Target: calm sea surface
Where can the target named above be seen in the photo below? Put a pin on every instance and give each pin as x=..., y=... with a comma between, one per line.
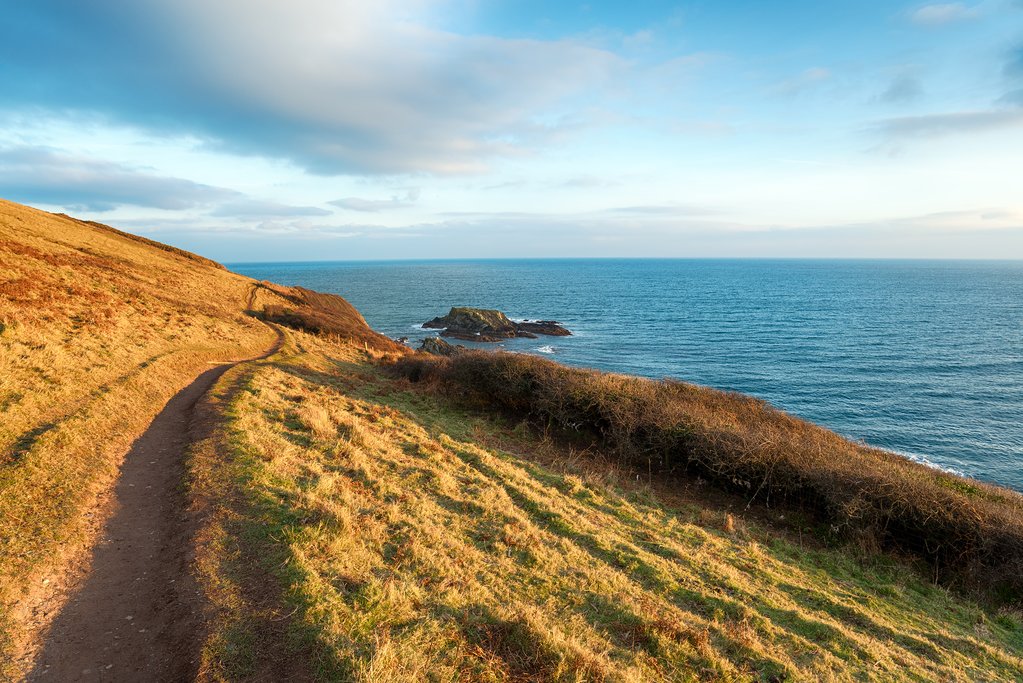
x=920, y=357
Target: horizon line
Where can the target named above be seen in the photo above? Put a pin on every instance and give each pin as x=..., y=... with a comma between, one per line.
x=919, y=259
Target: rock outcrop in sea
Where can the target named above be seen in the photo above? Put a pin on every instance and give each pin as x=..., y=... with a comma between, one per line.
x=487, y=325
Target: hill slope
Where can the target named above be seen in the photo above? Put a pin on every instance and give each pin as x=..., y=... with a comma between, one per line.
x=354, y=525
x=363, y=529
x=98, y=329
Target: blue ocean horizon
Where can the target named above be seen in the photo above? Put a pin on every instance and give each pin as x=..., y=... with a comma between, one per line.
x=921, y=357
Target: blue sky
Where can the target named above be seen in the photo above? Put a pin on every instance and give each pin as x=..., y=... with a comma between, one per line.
x=335, y=129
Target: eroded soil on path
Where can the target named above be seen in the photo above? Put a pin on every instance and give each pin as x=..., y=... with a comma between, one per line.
x=136, y=616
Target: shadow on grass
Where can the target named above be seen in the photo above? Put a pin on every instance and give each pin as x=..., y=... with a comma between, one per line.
x=27, y=440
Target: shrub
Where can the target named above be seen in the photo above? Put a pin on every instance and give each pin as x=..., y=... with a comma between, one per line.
x=971, y=533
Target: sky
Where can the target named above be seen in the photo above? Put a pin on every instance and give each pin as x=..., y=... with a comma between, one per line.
x=259, y=130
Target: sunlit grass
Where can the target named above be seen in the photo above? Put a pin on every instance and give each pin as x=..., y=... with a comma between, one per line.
x=97, y=332
x=400, y=538
x=969, y=532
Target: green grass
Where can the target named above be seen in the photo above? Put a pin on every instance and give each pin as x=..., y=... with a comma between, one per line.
x=375, y=533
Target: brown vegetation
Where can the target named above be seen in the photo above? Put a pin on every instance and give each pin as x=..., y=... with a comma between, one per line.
x=971, y=533
x=323, y=314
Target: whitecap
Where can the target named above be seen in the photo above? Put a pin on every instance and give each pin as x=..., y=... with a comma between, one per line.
x=923, y=460
x=546, y=349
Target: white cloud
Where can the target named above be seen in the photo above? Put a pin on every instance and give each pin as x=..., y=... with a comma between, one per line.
x=249, y=208
x=337, y=86
x=902, y=89
x=374, y=205
x=953, y=123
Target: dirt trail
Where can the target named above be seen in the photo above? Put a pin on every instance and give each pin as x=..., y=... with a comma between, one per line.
x=137, y=614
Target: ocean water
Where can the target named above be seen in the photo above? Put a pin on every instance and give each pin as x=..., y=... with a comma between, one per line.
x=920, y=357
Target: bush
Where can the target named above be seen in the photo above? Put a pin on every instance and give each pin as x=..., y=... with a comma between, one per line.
x=971, y=533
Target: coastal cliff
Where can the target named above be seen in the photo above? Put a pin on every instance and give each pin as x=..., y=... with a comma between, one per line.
x=361, y=512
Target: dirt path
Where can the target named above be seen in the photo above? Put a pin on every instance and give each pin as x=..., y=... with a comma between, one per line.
x=136, y=615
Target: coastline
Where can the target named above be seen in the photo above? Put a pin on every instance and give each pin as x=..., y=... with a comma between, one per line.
x=612, y=525
x=843, y=344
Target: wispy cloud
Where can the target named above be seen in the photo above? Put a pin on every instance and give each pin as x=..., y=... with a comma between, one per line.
x=954, y=123
x=902, y=89
x=308, y=230
x=584, y=182
x=653, y=213
x=405, y=201
x=253, y=208
x=662, y=210
x=939, y=14
x=46, y=176
x=507, y=185
x=1014, y=74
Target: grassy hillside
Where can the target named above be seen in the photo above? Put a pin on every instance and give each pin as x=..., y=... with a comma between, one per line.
x=365, y=530
x=358, y=525
x=98, y=329
x=970, y=533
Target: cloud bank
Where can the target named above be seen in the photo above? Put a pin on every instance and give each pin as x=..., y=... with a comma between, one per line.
x=374, y=205
x=45, y=176
x=253, y=208
x=335, y=86
x=953, y=123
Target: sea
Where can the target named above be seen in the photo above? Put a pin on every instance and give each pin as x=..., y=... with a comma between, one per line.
x=924, y=358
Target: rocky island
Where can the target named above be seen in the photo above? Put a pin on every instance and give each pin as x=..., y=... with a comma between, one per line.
x=487, y=325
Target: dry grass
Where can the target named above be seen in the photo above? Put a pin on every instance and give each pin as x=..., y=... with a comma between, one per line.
x=358, y=528
x=370, y=532
x=98, y=329
x=970, y=533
